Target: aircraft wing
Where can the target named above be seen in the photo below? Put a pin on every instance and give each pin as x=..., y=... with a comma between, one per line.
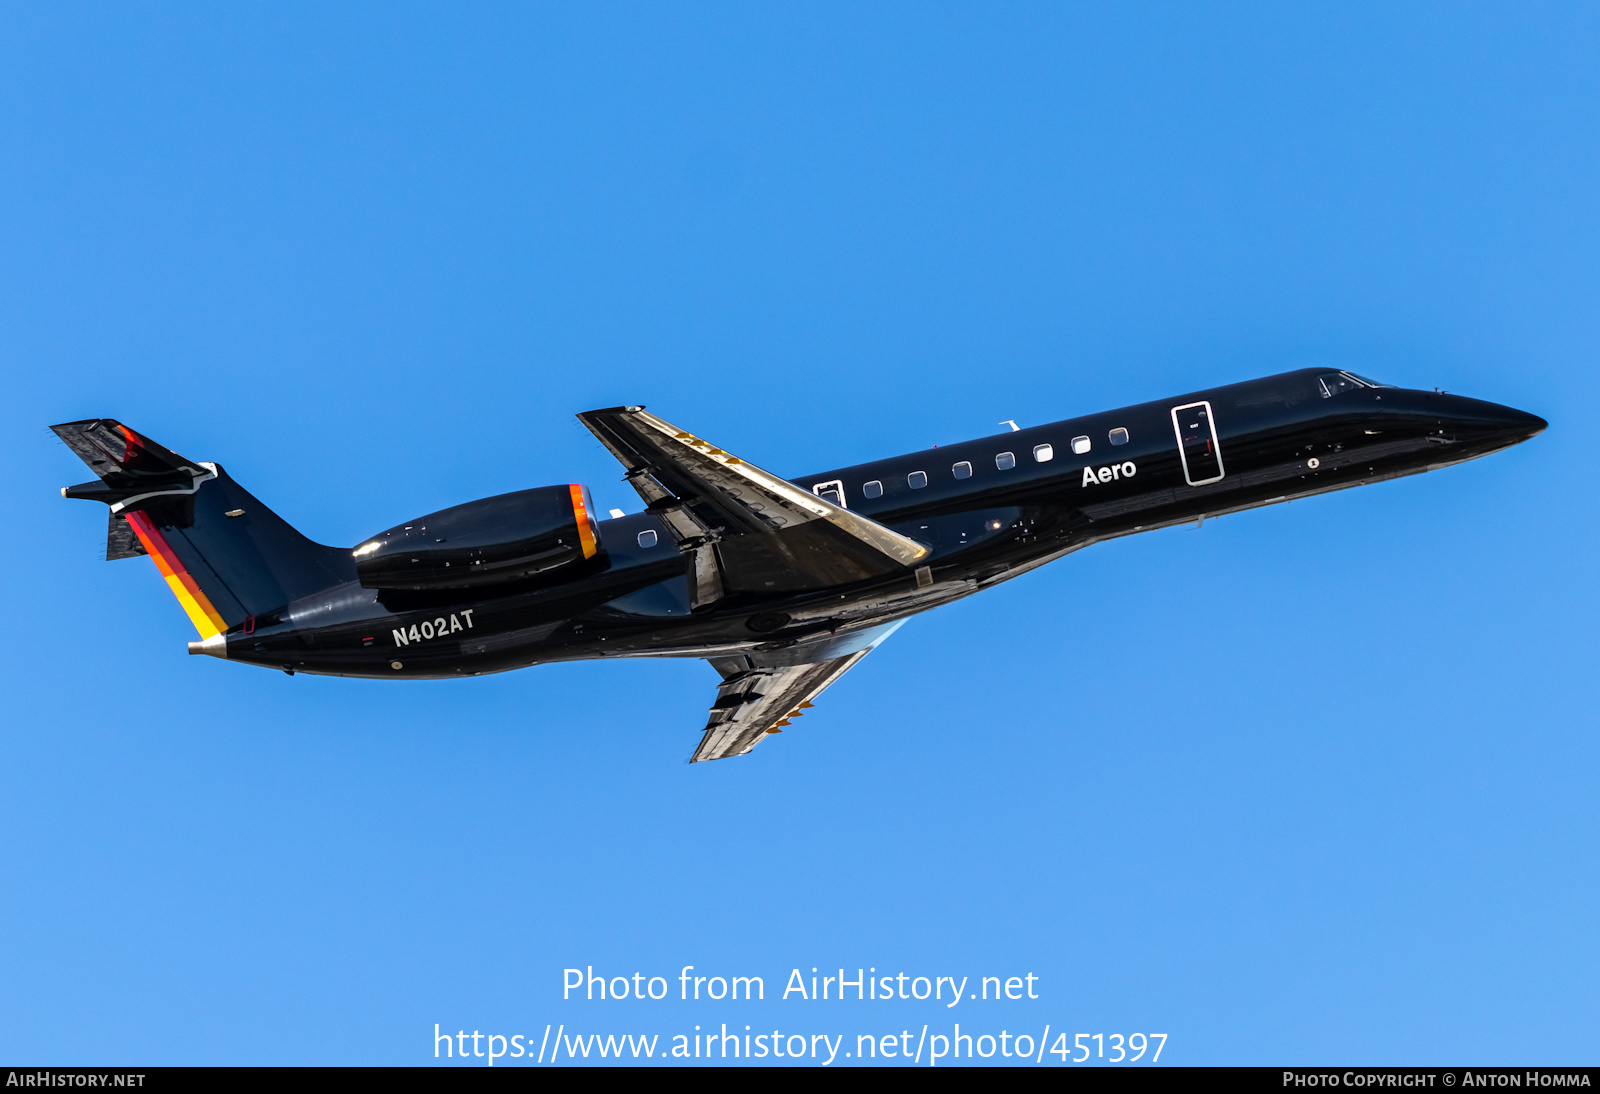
x=753, y=702
x=762, y=691
x=747, y=529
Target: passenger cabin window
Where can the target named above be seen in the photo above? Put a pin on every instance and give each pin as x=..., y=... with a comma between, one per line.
x=1080, y=445
x=1043, y=453
x=917, y=480
x=873, y=489
x=962, y=470
x=647, y=538
x=1336, y=383
x=1005, y=461
x=1118, y=436
x=831, y=491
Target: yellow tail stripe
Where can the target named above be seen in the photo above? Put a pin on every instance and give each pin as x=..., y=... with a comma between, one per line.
x=197, y=607
x=205, y=617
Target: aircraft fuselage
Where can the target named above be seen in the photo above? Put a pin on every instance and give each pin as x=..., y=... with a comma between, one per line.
x=989, y=509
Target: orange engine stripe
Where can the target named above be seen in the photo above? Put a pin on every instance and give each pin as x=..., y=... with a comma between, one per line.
x=196, y=605
x=586, y=536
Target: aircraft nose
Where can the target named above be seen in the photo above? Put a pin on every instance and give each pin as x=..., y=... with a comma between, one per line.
x=1519, y=425
x=1502, y=425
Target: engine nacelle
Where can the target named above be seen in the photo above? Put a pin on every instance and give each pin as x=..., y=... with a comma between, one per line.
x=486, y=542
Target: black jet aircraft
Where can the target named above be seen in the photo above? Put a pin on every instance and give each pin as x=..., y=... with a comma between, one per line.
x=781, y=584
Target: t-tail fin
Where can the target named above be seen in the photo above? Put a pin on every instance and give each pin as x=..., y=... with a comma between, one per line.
x=229, y=559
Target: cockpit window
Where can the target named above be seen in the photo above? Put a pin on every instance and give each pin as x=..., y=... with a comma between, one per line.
x=1330, y=384
x=1364, y=380
x=1336, y=383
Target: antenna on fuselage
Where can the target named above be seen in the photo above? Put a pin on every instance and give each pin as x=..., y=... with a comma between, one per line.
x=1014, y=427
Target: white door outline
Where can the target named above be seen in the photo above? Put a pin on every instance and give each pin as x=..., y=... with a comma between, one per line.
x=1216, y=446
x=836, y=486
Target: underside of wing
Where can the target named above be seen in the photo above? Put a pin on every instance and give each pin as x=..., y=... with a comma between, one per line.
x=753, y=702
x=747, y=529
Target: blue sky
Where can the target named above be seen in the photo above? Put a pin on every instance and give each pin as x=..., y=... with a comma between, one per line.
x=372, y=258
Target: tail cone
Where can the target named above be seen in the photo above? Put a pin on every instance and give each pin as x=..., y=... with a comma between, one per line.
x=215, y=646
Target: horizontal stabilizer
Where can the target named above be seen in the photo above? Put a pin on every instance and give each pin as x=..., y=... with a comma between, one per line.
x=121, y=540
x=113, y=451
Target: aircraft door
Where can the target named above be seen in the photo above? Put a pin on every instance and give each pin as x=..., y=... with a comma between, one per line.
x=1197, y=443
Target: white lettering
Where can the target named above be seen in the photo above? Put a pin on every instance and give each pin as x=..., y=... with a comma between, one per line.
x=436, y=629
x=1094, y=476
x=958, y=991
